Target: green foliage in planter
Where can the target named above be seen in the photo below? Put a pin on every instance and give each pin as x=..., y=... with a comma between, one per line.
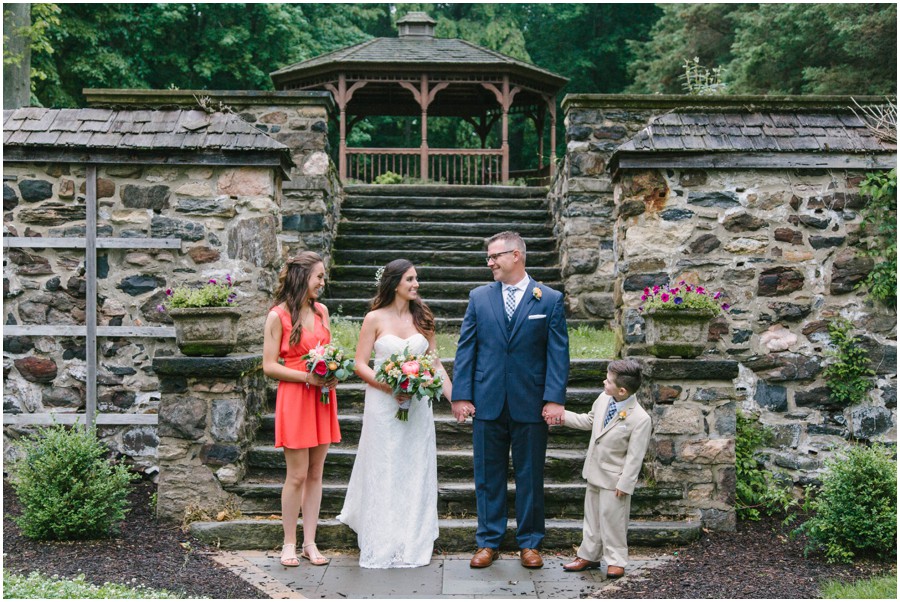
x=757, y=490
x=389, y=177
x=856, y=508
x=211, y=294
x=67, y=487
x=848, y=376
x=880, y=215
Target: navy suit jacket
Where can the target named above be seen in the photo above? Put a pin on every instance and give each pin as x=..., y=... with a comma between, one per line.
x=524, y=365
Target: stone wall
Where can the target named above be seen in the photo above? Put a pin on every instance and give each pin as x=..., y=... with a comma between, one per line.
x=228, y=220
x=312, y=196
x=208, y=416
x=782, y=244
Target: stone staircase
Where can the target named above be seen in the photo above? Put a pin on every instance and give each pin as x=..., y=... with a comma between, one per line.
x=260, y=490
x=442, y=230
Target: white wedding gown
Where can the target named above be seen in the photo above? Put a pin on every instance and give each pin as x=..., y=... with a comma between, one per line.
x=391, y=499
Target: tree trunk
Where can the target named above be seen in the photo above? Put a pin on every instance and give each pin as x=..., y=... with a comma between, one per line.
x=17, y=75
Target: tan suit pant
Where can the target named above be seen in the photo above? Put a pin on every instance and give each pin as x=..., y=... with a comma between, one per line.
x=605, y=527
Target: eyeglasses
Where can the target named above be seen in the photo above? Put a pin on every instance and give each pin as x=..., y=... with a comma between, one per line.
x=494, y=257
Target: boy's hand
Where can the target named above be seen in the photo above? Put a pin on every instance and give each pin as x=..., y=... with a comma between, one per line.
x=554, y=414
x=620, y=493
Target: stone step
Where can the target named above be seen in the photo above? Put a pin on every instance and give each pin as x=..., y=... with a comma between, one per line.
x=452, y=325
x=479, y=274
x=483, y=231
x=450, y=434
x=433, y=257
x=398, y=240
x=445, y=216
x=446, y=190
x=433, y=289
x=401, y=203
x=446, y=308
x=455, y=534
x=455, y=498
x=267, y=463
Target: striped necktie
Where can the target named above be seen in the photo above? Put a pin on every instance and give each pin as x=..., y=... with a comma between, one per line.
x=510, y=302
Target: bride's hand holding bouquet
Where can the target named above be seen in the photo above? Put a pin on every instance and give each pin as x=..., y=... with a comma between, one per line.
x=410, y=377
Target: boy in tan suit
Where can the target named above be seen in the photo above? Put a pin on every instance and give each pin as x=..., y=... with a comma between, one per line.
x=620, y=434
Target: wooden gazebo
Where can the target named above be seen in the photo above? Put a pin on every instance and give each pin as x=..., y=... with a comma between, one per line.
x=418, y=74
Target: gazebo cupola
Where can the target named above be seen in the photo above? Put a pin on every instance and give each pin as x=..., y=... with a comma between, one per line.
x=417, y=74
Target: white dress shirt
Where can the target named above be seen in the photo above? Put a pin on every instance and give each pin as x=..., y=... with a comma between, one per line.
x=520, y=288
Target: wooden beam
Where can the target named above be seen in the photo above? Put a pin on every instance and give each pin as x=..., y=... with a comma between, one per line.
x=764, y=160
x=75, y=330
x=90, y=278
x=30, y=242
x=68, y=419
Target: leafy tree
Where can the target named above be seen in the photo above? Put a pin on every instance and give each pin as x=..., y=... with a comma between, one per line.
x=774, y=48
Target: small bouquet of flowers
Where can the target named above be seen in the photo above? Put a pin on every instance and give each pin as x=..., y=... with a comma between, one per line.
x=327, y=361
x=413, y=375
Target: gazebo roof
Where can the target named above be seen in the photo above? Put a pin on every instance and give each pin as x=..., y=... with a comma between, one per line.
x=383, y=61
x=421, y=53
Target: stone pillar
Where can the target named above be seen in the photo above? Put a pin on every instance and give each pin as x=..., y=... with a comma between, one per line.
x=693, y=407
x=208, y=415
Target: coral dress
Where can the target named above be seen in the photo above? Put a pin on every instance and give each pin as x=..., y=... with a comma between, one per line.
x=301, y=419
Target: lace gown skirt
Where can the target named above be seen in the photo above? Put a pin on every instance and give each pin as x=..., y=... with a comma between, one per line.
x=391, y=499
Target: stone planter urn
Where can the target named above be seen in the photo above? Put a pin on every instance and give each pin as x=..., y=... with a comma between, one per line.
x=210, y=331
x=677, y=332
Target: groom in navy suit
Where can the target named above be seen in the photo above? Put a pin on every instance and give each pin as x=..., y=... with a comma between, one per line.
x=510, y=374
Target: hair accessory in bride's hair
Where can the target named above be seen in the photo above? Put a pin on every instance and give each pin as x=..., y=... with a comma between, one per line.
x=378, y=274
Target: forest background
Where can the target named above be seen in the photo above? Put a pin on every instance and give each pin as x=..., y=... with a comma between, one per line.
x=600, y=48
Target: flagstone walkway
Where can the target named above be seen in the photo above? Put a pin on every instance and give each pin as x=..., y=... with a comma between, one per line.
x=448, y=576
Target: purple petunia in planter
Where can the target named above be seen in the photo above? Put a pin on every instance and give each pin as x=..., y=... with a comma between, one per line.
x=677, y=318
x=205, y=318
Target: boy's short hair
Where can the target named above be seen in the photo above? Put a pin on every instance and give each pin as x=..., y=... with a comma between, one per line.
x=626, y=374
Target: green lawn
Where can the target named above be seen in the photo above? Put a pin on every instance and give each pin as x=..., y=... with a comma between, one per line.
x=877, y=588
x=36, y=585
x=584, y=342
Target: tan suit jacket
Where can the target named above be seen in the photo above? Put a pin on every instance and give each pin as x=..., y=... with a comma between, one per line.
x=615, y=454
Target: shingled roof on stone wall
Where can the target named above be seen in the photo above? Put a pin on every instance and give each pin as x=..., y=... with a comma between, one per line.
x=94, y=129
x=756, y=132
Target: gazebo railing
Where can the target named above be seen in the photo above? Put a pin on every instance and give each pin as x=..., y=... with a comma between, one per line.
x=474, y=167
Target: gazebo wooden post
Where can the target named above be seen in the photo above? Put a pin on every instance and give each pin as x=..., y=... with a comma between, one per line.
x=423, y=149
x=504, y=146
x=342, y=96
x=551, y=106
x=539, y=120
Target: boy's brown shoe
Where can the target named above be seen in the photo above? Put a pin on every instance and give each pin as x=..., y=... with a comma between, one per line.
x=484, y=558
x=580, y=564
x=614, y=572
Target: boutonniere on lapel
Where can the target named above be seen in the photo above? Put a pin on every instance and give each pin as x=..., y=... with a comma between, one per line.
x=536, y=293
x=622, y=415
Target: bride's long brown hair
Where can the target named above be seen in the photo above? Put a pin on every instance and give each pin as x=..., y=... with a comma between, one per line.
x=393, y=272
x=293, y=289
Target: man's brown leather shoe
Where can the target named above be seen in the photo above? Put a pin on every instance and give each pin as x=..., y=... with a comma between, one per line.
x=484, y=558
x=614, y=572
x=580, y=564
x=531, y=558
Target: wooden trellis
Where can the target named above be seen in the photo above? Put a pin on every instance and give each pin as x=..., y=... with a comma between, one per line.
x=91, y=331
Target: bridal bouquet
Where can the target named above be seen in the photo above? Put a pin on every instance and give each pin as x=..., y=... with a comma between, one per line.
x=328, y=361
x=413, y=375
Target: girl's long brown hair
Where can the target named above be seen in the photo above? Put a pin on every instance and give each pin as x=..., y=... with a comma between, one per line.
x=387, y=291
x=293, y=289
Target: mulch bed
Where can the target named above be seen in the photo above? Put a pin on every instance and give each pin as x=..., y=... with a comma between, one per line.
x=760, y=560
x=150, y=553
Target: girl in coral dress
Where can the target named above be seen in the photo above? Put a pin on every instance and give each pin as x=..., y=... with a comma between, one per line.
x=304, y=426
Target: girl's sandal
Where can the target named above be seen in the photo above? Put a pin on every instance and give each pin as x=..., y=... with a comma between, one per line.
x=289, y=555
x=314, y=557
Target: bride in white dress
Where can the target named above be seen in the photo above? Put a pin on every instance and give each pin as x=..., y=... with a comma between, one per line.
x=391, y=499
